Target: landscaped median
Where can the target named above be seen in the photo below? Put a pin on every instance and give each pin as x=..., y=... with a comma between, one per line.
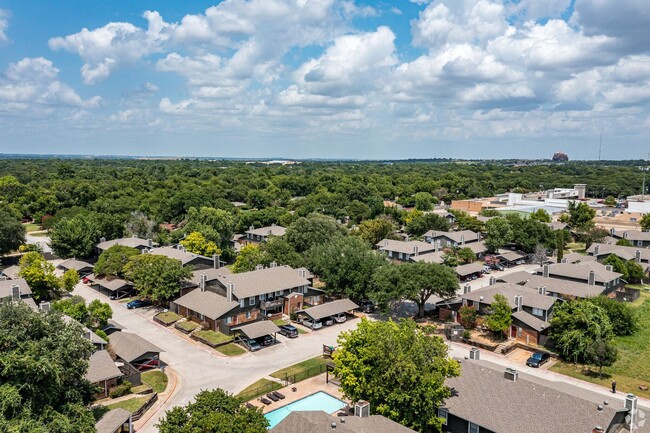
x=186, y=327
x=167, y=318
x=261, y=387
x=219, y=342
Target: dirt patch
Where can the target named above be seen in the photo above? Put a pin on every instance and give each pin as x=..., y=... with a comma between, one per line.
x=519, y=355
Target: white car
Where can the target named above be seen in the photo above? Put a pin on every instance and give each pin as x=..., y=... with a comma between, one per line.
x=340, y=318
x=313, y=324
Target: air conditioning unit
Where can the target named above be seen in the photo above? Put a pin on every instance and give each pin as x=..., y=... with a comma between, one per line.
x=474, y=353
x=362, y=409
x=511, y=374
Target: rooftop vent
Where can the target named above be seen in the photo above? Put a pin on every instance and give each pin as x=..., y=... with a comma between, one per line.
x=511, y=374
x=598, y=429
x=333, y=425
x=15, y=292
x=600, y=408
x=362, y=409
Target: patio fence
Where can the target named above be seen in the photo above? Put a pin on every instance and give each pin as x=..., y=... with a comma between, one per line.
x=306, y=374
x=259, y=390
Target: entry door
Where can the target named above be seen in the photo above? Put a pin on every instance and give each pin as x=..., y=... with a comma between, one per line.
x=513, y=331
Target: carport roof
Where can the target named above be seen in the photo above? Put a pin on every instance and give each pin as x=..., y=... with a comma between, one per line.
x=130, y=347
x=330, y=309
x=468, y=269
x=112, y=420
x=101, y=367
x=258, y=329
x=77, y=265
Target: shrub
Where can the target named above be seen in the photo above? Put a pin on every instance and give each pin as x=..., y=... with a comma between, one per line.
x=429, y=329
x=123, y=388
x=467, y=317
x=467, y=334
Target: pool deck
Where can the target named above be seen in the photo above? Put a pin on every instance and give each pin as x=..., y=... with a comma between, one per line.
x=303, y=389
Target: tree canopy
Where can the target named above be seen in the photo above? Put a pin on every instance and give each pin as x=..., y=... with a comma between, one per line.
x=39, y=275
x=581, y=216
x=196, y=243
x=156, y=277
x=398, y=369
x=312, y=230
x=113, y=260
x=500, y=317
x=12, y=232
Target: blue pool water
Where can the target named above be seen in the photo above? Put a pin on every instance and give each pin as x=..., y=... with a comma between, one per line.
x=319, y=401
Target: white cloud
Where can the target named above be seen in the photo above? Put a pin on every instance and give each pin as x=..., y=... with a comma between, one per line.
x=535, y=9
x=4, y=25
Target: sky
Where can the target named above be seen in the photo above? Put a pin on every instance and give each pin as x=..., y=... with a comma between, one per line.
x=363, y=79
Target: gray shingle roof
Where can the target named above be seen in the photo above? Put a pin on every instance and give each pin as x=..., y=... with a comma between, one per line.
x=112, y=420
x=264, y=281
x=174, y=253
x=511, y=256
x=467, y=235
x=321, y=422
x=11, y=271
x=111, y=284
x=5, y=287
x=268, y=231
x=435, y=257
x=258, y=329
x=77, y=265
x=101, y=367
x=626, y=253
x=470, y=268
x=210, y=304
x=553, y=285
x=581, y=271
x=330, y=308
x=531, y=298
x=483, y=396
x=130, y=347
x=631, y=235
x=133, y=242
x=406, y=247
x=578, y=258
x=210, y=274
x=537, y=324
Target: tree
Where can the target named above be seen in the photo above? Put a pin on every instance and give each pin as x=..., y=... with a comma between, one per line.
x=76, y=236
x=373, y=231
x=39, y=275
x=498, y=234
x=467, y=316
x=610, y=200
x=248, y=258
x=196, y=243
x=346, y=266
x=44, y=360
x=617, y=264
x=635, y=272
x=624, y=243
x=645, y=222
x=465, y=221
x=466, y=255
x=449, y=258
x=278, y=250
x=398, y=369
x=113, y=260
x=98, y=314
x=12, y=232
x=500, y=317
x=540, y=256
x=315, y=229
x=140, y=225
x=69, y=280
x=601, y=353
x=621, y=315
x=422, y=223
x=592, y=235
x=214, y=411
x=559, y=244
x=423, y=201
x=216, y=225
x=94, y=315
x=416, y=282
x=540, y=215
x=581, y=216
x=156, y=277
x=576, y=325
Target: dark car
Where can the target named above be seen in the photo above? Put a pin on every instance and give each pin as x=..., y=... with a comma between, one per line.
x=138, y=303
x=252, y=345
x=267, y=340
x=537, y=359
x=367, y=306
x=497, y=267
x=289, y=331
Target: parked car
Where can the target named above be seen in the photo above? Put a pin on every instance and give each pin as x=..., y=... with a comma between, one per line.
x=497, y=267
x=252, y=345
x=340, y=318
x=147, y=364
x=289, y=331
x=537, y=359
x=313, y=324
x=138, y=303
x=85, y=280
x=267, y=340
x=367, y=306
x=328, y=321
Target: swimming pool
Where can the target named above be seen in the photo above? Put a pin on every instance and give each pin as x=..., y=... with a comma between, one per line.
x=319, y=401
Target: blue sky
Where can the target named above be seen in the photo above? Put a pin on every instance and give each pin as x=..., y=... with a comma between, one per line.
x=326, y=78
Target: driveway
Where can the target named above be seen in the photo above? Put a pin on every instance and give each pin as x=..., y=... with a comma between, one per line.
x=200, y=368
x=42, y=241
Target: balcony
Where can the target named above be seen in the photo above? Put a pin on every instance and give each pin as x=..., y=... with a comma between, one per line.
x=270, y=305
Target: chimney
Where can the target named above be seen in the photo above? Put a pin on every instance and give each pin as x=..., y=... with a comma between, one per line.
x=415, y=250
x=150, y=243
x=462, y=240
x=631, y=403
x=259, y=267
x=511, y=374
x=612, y=232
x=230, y=288
x=87, y=334
x=519, y=301
x=493, y=281
x=592, y=278
x=216, y=261
x=302, y=273
x=251, y=228
x=596, y=248
x=467, y=288
x=44, y=307
x=362, y=409
x=565, y=260
x=609, y=268
x=15, y=292
x=203, y=280
x=478, y=237
x=625, y=235
x=637, y=256
x=545, y=271
x=385, y=242
x=273, y=265
x=542, y=290
x=102, y=239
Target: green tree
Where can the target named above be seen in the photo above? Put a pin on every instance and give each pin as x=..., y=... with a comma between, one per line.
x=196, y=243
x=398, y=369
x=576, y=325
x=156, y=277
x=98, y=314
x=69, y=280
x=345, y=265
x=540, y=215
x=77, y=236
x=373, y=231
x=278, y=250
x=423, y=201
x=450, y=258
x=216, y=225
x=468, y=316
x=422, y=223
x=44, y=360
x=592, y=235
x=113, y=260
x=466, y=255
x=601, y=353
x=141, y=226
x=498, y=234
x=315, y=229
x=500, y=317
x=416, y=282
x=559, y=244
x=645, y=222
x=74, y=306
x=624, y=243
x=617, y=264
x=39, y=275
x=12, y=232
x=248, y=258
x=610, y=200
x=581, y=216
x=621, y=315
x=214, y=411
x=635, y=272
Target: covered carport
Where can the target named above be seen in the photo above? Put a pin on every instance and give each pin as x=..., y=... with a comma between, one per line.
x=469, y=271
x=328, y=309
x=116, y=288
x=256, y=330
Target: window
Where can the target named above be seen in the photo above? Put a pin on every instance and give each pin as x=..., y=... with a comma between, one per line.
x=248, y=314
x=228, y=320
x=442, y=413
x=538, y=312
x=251, y=300
x=305, y=289
x=473, y=428
x=519, y=331
x=279, y=293
x=242, y=303
x=263, y=297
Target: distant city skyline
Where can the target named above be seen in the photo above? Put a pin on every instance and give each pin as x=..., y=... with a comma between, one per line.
x=310, y=79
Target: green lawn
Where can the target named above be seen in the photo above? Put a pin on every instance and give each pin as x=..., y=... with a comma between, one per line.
x=632, y=368
x=31, y=227
x=156, y=379
x=280, y=322
x=577, y=247
x=231, y=349
x=168, y=318
x=188, y=326
x=212, y=336
x=258, y=388
x=131, y=404
x=302, y=368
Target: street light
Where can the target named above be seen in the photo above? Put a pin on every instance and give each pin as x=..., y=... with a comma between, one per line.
x=643, y=169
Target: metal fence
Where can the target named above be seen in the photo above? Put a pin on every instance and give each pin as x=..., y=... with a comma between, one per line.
x=306, y=374
x=252, y=393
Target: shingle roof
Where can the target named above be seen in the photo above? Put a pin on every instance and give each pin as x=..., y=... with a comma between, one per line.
x=5, y=287
x=406, y=247
x=210, y=274
x=470, y=268
x=537, y=324
x=268, y=231
x=476, y=247
x=174, y=253
x=77, y=265
x=264, y=281
x=631, y=235
x=112, y=420
x=112, y=284
x=511, y=256
x=578, y=258
x=258, y=329
x=553, y=285
x=101, y=367
x=483, y=396
x=321, y=422
x=133, y=242
x=130, y=347
x=330, y=308
x=434, y=257
x=11, y=271
x=467, y=235
x=210, y=304
x=626, y=253
x=581, y=271
x=531, y=298
x=557, y=225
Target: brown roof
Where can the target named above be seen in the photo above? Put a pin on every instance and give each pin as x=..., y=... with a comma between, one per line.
x=476, y=247
x=434, y=257
x=185, y=257
x=329, y=309
x=101, y=367
x=5, y=287
x=268, y=231
x=210, y=304
x=258, y=329
x=470, y=268
x=483, y=396
x=133, y=242
x=264, y=281
x=531, y=298
x=406, y=247
x=77, y=265
x=112, y=420
x=321, y=422
x=130, y=347
x=467, y=236
x=537, y=324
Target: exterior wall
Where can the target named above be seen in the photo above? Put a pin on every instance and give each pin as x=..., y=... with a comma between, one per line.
x=293, y=303
x=459, y=425
x=105, y=385
x=467, y=205
x=520, y=332
x=444, y=313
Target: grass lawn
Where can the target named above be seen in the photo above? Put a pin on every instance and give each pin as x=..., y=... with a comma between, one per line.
x=212, y=336
x=39, y=234
x=577, y=247
x=188, y=326
x=258, y=388
x=231, y=349
x=131, y=404
x=156, y=379
x=632, y=368
x=302, y=368
x=168, y=318
x=31, y=227
x=139, y=389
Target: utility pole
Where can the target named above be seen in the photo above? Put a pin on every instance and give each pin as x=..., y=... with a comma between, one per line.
x=600, y=145
x=643, y=169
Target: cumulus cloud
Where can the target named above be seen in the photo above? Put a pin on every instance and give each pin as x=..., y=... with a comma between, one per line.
x=4, y=24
